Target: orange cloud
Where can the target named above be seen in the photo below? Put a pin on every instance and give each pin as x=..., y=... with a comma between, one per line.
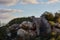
x=29, y=2
x=53, y=1
x=50, y=1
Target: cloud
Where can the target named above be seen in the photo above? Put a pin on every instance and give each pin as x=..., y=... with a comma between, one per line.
x=7, y=13
x=50, y=1
x=10, y=11
x=29, y=2
x=8, y=2
x=36, y=1
x=15, y=2
x=6, y=17
x=53, y=1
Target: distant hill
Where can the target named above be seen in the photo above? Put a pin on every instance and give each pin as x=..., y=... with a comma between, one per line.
x=19, y=20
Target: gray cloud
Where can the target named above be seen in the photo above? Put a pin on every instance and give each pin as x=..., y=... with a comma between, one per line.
x=14, y=2
x=8, y=2
x=7, y=13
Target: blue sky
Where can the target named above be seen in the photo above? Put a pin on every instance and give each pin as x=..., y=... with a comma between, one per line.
x=23, y=8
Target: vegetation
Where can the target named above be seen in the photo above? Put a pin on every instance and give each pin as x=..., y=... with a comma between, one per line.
x=2, y=33
x=48, y=15
x=19, y=20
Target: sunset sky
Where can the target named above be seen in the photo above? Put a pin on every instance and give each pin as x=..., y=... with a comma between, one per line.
x=10, y=9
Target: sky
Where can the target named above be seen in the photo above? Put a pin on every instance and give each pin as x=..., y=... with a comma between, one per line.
x=10, y=9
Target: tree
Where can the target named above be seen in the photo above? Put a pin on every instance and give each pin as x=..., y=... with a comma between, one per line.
x=19, y=20
x=2, y=33
x=57, y=17
x=48, y=15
